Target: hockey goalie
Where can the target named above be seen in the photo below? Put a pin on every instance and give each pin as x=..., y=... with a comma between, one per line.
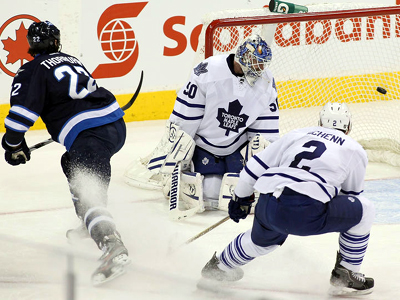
x=226, y=112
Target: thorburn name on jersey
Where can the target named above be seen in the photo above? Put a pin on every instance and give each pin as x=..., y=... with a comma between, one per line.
x=51, y=62
x=328, y=136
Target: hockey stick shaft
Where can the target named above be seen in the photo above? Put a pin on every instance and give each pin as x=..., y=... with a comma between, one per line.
x=207, y=230
x=125, y=107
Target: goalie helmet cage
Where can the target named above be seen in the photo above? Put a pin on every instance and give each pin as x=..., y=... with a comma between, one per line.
x=335, y=52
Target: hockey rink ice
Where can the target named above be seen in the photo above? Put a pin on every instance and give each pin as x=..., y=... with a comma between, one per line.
x=35, y=256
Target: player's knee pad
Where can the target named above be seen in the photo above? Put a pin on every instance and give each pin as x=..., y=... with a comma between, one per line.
x=368, y=216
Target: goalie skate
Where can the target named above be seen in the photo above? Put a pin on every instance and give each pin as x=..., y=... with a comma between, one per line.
x=114, y=260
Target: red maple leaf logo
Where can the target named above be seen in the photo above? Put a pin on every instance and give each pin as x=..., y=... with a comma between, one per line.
x=18, y=48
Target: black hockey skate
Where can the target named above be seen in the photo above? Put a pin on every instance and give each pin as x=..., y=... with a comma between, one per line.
x=346, y=282
x=211, y=271
x=114, y=260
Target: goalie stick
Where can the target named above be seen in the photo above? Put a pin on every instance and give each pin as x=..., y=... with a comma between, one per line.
x=125, y=107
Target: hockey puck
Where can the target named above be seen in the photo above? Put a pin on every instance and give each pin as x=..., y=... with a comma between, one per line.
x=381, y=90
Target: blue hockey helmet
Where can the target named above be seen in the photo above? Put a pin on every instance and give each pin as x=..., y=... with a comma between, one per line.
x=253, y=55
x=41, y=38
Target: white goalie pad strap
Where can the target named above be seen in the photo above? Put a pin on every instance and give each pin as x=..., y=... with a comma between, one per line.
x=256, y=145
x=227, y=191
x=181, y=151
x=174, y=196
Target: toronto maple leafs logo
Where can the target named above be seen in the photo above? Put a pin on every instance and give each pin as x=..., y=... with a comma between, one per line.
x=232, y=120
x=201, y=69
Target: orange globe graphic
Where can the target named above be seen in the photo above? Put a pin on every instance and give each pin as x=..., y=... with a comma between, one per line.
x=118, y=40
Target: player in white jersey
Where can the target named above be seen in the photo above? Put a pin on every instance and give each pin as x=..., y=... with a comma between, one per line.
x=310, y=182
x=228, y=101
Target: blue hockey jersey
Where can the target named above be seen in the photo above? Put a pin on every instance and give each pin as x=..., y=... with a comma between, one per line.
x=58, y=88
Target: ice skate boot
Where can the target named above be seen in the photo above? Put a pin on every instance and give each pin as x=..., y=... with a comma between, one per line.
x=211, y=271
x=113, y=260
x=346, y=282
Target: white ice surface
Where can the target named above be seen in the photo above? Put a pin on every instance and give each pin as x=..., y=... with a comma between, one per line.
x=36, y=210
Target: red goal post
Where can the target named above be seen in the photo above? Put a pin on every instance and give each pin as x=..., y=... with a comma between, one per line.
x=341, y=55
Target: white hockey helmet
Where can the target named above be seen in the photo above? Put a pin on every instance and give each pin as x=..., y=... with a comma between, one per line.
x=336, y=116
x=253, y=55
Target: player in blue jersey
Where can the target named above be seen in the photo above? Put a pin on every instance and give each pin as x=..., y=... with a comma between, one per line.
x=83, y=117
x=310, y=182
x=228, y=101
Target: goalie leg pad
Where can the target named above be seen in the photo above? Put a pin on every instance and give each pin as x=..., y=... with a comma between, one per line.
x=191, y=193
x=174, y=212
x=227, y=191
x=181, y=151
x=190, y=190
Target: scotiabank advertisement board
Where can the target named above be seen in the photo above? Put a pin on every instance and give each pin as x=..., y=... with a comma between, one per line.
x=118, y=40
x=115, y=40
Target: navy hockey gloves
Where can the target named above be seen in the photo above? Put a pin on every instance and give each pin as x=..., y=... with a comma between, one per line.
x=239, y=208
x=18, y=155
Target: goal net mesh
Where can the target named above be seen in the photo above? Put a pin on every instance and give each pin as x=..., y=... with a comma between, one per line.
x=335, y=52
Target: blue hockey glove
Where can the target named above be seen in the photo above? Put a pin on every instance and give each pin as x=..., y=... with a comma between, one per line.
x=239, y=208
x=18, y=155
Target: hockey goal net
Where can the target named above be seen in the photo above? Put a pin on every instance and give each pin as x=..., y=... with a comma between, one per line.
x=335, y=52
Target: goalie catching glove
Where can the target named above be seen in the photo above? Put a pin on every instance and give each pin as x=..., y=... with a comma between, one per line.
x=239, y=207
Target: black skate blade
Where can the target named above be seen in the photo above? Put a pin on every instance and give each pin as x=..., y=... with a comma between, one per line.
x=339, y=291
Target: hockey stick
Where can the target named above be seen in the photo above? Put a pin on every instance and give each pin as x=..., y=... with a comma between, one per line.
x=175, y=213
x=125, y=107
x=207, y=230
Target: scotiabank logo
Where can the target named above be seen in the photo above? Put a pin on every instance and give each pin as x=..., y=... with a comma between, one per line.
x=345, y=30
x=14, y=52
x=118, y=40
x=315, y=32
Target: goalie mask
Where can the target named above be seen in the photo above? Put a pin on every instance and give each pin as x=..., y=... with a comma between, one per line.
x=253, y=56
x=42, y=38
x=336, y=116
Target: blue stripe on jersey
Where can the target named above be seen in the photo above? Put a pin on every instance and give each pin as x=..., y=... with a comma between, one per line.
x=263, y=130
x=189, y=104
x=263, y=164
x=185, y=117
x=351, y=192
x=268, y=118
x=319, y=177
x=88, y=119
x=24, y=113
x=297, y=180
x=226, y=146
x=247, y=170
x=15, y=125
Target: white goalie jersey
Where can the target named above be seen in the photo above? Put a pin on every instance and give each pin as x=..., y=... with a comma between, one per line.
x=222, y=111
x=319, y=162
